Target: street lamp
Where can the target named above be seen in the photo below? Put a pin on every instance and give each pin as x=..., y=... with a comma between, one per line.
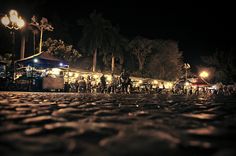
x=186, y=67
x=204, y=74
x=13, y=22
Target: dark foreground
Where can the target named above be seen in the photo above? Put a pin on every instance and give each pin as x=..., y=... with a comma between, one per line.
x=116, y=125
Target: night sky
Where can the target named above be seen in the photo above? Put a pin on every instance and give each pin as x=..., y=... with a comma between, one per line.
x=199, y=28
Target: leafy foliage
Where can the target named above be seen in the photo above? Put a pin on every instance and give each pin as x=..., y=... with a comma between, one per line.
x=224, y=64
x=140, y=47
x=61, y=50
x=116, y=49
x=165, y=62
x=95, y=33
x=96, y=36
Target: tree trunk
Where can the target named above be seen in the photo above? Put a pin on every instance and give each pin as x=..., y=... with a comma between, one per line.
x=34, y=41
x=41, y=40
x=122, y=60
x=13, y=54
x=22, y=49
x=112, y=63
x=140, y=65
x=94, y=59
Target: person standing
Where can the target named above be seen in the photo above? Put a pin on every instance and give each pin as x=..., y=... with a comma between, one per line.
x=82, y=85
x=113, y=83
x=124, y=80
x=103, y=83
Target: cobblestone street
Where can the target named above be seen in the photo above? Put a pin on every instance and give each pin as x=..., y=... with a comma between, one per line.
x=116, y=125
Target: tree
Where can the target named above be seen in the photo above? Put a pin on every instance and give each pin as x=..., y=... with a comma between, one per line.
x=117, y=45
x=42, y=26
x=95, y=35
x=224, y=64
x=61, y=50
x=165, y=62
x=140, y=47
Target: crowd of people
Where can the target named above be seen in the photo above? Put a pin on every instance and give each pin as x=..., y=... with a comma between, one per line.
x=217, y=89
x=124, y=84
x=121, y=83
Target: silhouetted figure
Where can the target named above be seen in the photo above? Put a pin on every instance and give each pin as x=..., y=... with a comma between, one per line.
x=125, y=81
x=66, y=87
x=113, y=83
x=103, y=83
x=89, y=84
x=82, y=85
x=76, y=86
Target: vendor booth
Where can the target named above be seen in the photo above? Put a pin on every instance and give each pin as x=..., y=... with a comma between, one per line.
x=3, y=75
x=3, y=67
x=41, y=72
x=199, y=82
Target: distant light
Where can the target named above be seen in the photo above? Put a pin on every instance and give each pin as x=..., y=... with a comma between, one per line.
x=36, y=60
x=13, y=16
x=72, y=74
x=13, y=13
x=155, y=82
x=204, y=74
x=109, y=78
x=61, y=64
x=96, y=76
x=187, y=84
x=76, y=75
x=5, y=20
x=20, y=22
x=56, y=71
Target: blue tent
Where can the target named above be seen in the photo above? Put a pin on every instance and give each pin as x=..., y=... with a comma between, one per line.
x=42, y=60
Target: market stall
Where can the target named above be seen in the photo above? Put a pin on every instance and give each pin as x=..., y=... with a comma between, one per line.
x=42, y=72
x=3, y=66
x=3, y=75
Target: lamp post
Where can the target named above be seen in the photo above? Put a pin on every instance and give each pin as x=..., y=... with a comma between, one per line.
x=42, y=26
x=186, y=67
x=13, y=22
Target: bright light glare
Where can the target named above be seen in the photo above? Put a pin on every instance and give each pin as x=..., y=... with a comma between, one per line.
x=20, y=22
x=13, y=13
x=5, y=20
x=36, y=60
x=56, y=71
x=204, y=74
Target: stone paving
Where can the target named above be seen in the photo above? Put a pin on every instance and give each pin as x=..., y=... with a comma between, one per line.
x=116, y=125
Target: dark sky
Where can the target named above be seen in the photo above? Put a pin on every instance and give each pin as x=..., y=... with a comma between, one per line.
x=199, y=28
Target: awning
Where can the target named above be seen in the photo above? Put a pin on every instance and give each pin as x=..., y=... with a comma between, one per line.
x=2, y=63
x=42, y=60
x=200, y=83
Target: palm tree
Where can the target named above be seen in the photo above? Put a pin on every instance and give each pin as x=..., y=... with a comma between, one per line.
x=95, y=35
x=117, y=45
x=42, y=26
